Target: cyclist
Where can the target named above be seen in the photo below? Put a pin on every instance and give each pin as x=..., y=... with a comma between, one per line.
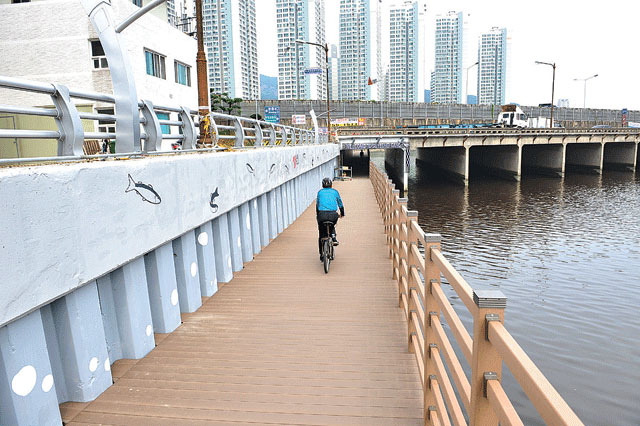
x=327, y=204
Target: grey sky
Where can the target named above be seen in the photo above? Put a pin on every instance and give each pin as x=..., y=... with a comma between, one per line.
x=582, y=38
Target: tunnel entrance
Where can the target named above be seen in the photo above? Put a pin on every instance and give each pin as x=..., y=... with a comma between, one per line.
x=358, y=160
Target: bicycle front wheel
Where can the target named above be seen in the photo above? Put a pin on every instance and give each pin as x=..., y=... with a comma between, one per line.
x=326, y=254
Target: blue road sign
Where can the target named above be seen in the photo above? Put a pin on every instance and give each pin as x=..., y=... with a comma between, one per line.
x=272, y=114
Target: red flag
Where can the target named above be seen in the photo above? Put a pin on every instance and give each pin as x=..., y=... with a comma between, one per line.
x=372, y=82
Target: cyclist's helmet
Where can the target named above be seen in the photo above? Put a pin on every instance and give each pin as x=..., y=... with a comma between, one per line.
x=326, y=183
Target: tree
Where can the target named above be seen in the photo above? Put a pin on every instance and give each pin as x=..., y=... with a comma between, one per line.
x=222, y=102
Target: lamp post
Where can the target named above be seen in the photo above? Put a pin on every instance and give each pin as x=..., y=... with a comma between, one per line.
x=326, y=56
x=553, y=83
x=466, y=85
x=584, y=98
x=201, y=68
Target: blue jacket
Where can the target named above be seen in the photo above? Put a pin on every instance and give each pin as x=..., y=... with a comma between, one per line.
x=329, y=201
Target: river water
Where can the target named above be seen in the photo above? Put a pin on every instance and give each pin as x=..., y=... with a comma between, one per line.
x=566, y=254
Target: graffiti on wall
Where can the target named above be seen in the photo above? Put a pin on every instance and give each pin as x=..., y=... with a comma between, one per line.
x=144, y=190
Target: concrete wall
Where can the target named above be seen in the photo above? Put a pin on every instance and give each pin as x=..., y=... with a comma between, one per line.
x=452, y=162
x=67, y=224
x=503, y=161
x=620, y=155
x=584, y=157
x=395, y=160
x=547, y=160
x=91, y=270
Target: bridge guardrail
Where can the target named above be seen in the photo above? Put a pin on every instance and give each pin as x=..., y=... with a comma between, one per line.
x=245, y=132
x=422, y=299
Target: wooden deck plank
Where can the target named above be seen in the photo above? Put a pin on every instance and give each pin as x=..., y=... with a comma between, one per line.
x=283, y=343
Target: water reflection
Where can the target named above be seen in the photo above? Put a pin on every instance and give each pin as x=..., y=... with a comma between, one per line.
x=566, y=253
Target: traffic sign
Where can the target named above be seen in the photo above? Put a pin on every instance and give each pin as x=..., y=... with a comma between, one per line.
x=272, y=114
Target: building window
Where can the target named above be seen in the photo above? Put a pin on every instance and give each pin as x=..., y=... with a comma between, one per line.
x=182, y=73
x=137, y=2
x=97, y=55
x=165, y=128
x=155, y=64
x=106, y=126
x=20, y=1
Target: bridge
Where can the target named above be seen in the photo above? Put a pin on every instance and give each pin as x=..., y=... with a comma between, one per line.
x=503, y=152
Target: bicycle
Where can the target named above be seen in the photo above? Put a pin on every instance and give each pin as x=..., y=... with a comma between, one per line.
x=327, y=247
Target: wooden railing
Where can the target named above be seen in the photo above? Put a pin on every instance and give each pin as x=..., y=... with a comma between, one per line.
x=425, y=305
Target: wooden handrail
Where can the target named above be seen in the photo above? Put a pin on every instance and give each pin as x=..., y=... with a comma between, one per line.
x=422, y=299
x=458, y=283
x=552, y=408
x=501, y=404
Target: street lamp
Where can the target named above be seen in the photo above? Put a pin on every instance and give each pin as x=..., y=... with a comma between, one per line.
x=584, y=98
x=466, y=88
x=553, y=83
x=326, y=56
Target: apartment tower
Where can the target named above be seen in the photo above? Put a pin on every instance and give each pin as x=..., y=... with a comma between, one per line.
x=492, y=67
x=403, y=57
x=446, y=82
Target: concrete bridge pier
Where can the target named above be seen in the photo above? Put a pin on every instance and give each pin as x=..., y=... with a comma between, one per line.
x=29, y=396
x=397, y=160
x=498, y=160
x=546, y=160
x=222, y=248
x=620, y=155
x=206, y=260
x=163, y=288
x=453, y=162
x=584, y=157
x=235, y=240
x=187, y=272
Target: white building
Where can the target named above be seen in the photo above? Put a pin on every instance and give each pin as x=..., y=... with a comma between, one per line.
x=355, y=50
x=446, y=83
x=231, y=45
x=54, y=42
x=301, y=67
x=492, y=67
x=334, y=79
x=403, y=58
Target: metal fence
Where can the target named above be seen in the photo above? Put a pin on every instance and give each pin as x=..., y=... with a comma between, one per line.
x=71, y=135
x=388, y=113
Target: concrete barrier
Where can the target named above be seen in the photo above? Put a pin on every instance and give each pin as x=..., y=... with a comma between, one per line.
x=97, y=257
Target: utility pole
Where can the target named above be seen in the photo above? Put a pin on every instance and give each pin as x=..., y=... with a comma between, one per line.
x=201, y=65
x=553, y=84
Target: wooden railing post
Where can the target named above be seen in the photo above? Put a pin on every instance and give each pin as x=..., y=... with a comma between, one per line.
x=393, y=220
x=485, y=359
x=432, y=274
x=403, y=255
x=412, y=263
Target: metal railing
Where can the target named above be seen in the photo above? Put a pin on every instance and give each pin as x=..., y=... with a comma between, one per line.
x=425, y=305
x=510, y=132
x=71, y=136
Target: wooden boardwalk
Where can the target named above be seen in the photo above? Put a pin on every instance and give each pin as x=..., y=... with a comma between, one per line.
x=283, y=342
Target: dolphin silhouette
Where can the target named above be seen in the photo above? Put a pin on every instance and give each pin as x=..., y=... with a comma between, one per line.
x=214, y=194
x=145, y=191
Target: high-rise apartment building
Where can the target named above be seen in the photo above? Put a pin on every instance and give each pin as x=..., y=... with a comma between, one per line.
x=492, y=66
x=334, y=58
x=446, y=82
x=355, y=50
x=231, y=47
x=403, y=52
x=299, y=63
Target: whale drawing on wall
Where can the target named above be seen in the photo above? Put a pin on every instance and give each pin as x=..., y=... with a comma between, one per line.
x=212, y=205
x=144, y=190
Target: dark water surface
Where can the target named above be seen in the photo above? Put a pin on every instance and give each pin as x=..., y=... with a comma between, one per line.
x=566, y=253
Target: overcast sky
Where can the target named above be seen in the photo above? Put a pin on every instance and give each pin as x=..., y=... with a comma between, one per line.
x=582, y=38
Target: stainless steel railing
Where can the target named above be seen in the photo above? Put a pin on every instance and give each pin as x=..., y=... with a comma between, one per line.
x=71, y=135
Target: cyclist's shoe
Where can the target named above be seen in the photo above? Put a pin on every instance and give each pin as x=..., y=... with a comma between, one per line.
x=321, y=258
x=335, y=240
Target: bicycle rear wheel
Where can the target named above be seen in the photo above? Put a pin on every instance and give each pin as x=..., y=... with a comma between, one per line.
x=326, y=254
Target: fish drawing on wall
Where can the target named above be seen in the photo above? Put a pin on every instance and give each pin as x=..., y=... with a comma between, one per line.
x=212, y=205
x=286, y=168
x=251, y=169
x=145, y=191
x=295, y=161
x=272, y=168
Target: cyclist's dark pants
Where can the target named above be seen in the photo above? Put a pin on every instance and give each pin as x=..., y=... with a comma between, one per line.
x=324, y=216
